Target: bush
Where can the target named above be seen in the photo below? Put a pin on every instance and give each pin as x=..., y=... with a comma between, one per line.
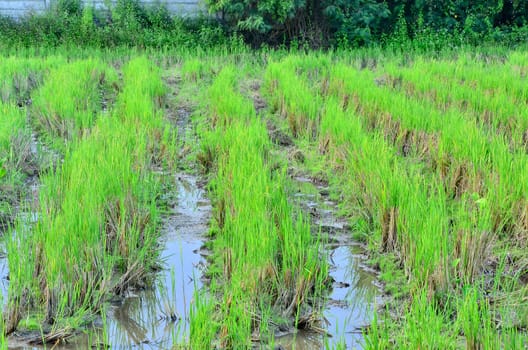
x=277, y=22
x=127, y=23
x=364, y=22
x=397, y=23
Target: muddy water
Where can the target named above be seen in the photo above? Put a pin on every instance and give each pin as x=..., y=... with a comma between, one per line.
x=4, y=272
x=351, y=304
x=158, y=318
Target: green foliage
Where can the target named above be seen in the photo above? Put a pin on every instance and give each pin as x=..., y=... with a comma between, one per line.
x=356, y=21
x=351, y=21
x=345, y=23
x=474, y=20
x=260, y=16
x=125, y=23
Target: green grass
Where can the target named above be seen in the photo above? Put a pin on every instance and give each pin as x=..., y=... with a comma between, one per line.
x=66, y=106
x=193, y=69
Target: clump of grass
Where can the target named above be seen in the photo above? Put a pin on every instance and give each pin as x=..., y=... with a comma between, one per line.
x=293, y=99
x=193, y=69
x=16, y=158
x=425, y=326
x=97, y=227
x=19, y=76
x=266, y=260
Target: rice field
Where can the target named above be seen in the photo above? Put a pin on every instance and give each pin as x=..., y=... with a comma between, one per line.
x=274, y=200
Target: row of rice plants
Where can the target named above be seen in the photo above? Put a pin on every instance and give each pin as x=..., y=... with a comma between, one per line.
x=19, y=76
x=469, y=159
x=266, y=265
x=497, y=77
x=96, y=232
x=16, y=159
x=495, y=108
x=478, y=215
x=297, y=104
x=410, y=211
x=405, y=211
x=67, y=105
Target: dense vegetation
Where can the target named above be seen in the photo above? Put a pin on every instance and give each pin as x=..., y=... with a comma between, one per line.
x=370, y=21
x=429, y=24
x=430, y=175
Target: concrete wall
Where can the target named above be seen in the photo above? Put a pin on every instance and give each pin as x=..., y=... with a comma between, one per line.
x=18, y=8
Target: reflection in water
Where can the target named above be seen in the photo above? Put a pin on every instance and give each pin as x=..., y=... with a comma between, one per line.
x=159, y=318
x=4, y=271
x=124, y=326
x=26, y=218
x=300, y=341
x=350, y=305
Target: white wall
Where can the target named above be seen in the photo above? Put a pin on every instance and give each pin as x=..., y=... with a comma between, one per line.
x=17, y=8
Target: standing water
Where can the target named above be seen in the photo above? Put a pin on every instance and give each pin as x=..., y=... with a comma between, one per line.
x=157, y=318
x=160, y=318
x=350, y=305
x=3, y=277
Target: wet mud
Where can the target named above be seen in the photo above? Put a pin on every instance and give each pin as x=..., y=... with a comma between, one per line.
x=160, y=318
x=355, y=294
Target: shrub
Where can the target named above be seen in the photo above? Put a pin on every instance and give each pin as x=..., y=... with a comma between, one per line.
x=126, y=23
x=274, y=21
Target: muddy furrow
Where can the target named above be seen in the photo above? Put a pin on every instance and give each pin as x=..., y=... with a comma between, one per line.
x=159, y=318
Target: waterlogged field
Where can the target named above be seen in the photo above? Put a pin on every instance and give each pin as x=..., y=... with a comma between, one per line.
x=264, y=200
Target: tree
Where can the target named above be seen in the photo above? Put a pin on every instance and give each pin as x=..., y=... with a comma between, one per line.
x=274, y=21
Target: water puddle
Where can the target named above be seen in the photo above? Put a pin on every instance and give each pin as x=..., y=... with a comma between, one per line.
x=350, y=306
x=4, y=273
x=355, y=292
x=160, y=318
